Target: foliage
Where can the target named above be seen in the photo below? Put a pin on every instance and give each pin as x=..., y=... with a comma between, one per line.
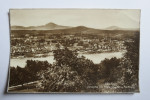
x=70, y=73
x=85, y=68
x=108, y=69
x=130, y=63
x=61, y=79
x=20, y=75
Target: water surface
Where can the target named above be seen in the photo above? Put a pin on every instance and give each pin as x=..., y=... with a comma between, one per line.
x=96, y=58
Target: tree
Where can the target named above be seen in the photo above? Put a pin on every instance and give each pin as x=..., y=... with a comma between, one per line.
x=13, y=76
x=22, y=75
x=70, y=73
x=130, y=64
x=86, y=68
x=108, y=69
x=60, y=79
x=27, y=74
x=133, y=52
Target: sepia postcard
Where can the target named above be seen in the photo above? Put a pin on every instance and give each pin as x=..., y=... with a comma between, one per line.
x=74, y=51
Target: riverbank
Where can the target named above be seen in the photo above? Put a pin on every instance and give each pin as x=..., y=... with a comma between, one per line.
x=96, y=58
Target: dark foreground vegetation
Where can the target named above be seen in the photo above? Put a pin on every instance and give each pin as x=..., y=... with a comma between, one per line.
x=72, y=73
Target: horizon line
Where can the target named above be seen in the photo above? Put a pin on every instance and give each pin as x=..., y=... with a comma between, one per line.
x=78, y=26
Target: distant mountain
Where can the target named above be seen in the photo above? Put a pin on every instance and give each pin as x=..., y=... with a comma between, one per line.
x=78, y=29
x=49, y=26
x=119, y=28
x=113, y=28
x=52, y=28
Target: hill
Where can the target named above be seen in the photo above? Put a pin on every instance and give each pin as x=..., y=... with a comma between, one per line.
x=119, y=28
x=49, y=26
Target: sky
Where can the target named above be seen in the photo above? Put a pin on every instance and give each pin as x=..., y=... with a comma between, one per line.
x=94, y=18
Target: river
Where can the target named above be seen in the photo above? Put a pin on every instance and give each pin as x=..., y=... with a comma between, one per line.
x=96, y=58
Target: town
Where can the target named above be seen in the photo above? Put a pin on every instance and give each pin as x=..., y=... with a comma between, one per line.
x=42, y=45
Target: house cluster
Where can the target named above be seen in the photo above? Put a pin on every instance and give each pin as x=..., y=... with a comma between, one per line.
x=99, y=45
x=42, y=45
